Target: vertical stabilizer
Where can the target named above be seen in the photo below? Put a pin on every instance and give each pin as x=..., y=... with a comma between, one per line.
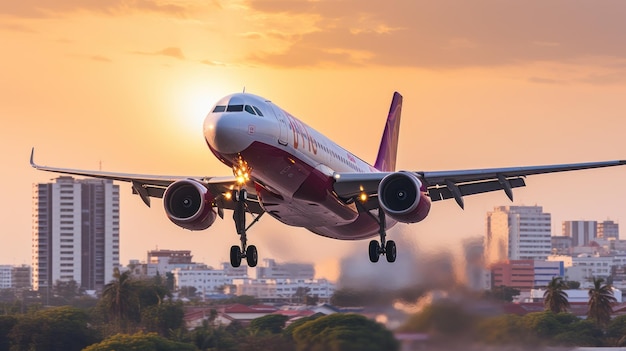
x=386, y=159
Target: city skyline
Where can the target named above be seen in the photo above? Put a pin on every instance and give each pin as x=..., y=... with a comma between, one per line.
x=88, y=95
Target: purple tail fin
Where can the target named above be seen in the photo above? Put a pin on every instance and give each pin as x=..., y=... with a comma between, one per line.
x=386, y=159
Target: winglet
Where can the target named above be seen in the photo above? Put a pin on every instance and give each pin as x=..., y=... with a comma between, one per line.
x=32, y=156
x=386, y=159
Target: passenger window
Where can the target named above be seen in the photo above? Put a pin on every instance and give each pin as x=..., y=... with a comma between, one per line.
x=234, y=108
x=219, y=108
x=249, y=109
x=258, y=112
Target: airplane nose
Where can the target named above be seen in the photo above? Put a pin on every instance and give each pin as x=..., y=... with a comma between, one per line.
x=226, y=134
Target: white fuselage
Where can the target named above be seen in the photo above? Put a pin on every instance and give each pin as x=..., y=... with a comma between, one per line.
x=291, y=164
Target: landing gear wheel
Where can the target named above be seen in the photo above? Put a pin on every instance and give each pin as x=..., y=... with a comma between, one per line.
x=390, y=251
x=252, y=256
x=374, y=251
x=235, y=256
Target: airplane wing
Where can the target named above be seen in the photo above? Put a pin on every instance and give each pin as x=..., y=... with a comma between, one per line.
x=443, y=185
x=147, y=186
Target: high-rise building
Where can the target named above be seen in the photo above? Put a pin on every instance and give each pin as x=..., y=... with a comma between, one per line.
x=608, y=229
x=517, y=233
x=581, y=232
x=75, y=232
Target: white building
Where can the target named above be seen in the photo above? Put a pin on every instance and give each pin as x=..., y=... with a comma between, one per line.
x=573, y=296
x=205, y=280
x=586, y=267
x=269, y=269
x=518, y=233
x=283, y=289
x=75, y=232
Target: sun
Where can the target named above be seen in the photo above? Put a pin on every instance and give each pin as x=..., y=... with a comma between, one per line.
x=191, y=100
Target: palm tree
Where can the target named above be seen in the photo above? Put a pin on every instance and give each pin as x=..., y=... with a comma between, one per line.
x=555, y=298
x=601, y=302
x=117, y=296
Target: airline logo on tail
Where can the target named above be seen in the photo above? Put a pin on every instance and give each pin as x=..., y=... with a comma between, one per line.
x=386, y=159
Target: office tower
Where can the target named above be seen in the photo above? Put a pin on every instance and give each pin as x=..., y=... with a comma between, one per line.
x=581, y=232
x=517, y=233
x=75, y=232
x=608, y=229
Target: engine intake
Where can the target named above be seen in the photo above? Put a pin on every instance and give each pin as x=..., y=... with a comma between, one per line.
x=401, y=197
x=188, y=204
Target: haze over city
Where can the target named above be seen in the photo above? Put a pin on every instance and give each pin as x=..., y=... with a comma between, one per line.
x=125, y=85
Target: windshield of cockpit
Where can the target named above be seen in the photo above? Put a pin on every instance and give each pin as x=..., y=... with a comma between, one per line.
x=251, y=109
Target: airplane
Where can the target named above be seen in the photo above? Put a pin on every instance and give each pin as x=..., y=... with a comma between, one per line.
x=290, y=171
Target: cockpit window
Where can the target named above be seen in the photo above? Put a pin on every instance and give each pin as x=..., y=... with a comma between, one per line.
x=249, y=109
x=258, y=112
x=234, y=108
x=253, y=110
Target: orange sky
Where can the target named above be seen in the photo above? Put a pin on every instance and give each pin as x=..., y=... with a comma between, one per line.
x=125, y=84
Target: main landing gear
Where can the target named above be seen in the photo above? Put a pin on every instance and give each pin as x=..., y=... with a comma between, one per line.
x=387, y=248
x=237, y=253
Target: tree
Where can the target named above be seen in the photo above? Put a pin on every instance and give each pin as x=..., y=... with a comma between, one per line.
x=118, y=297
x=60, y=328
x=344, y=332
x=6, y=325
x=139, y=342
x=187, y=291
x=441, y=318
x=271, y=323
x=210, y=337
x=501, y=293
x=555, y=299
x=601, y=302
x=300, y=294
x=67, y=290
x=163, y=318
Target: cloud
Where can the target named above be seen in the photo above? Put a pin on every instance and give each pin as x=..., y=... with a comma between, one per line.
x=42, y=9
x=173, y=52
x=13, y=27
x=448, y=33
x=100, y=58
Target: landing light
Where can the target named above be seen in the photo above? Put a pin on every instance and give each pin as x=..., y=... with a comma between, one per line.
x=228, y=195
x=363, y=197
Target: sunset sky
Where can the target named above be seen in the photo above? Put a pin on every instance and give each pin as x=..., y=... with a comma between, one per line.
x=123, y=85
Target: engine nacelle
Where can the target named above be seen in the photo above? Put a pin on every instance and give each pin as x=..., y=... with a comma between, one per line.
x=401, y=197
x=188, y=203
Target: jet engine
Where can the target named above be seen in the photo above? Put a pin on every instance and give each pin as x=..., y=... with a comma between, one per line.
x=401, y=197
x=188, y=203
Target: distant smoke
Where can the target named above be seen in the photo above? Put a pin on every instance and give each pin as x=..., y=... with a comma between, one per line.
x=413, y=267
